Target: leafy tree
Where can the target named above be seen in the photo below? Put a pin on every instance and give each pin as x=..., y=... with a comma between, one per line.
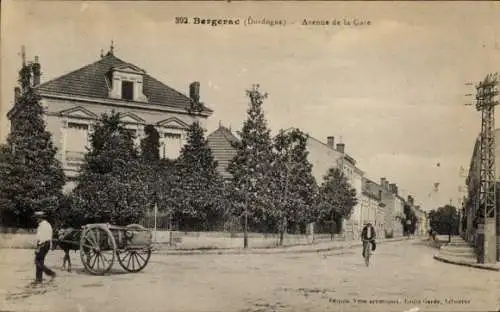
x=150, y=145
x=295, y=183
x=110, y=186
x=337, y=198
x=31, y=177
x=164, y=187
x=251, y=166
x=152, y=168
x=201, y=186
x=444, y=220
x=409, y=221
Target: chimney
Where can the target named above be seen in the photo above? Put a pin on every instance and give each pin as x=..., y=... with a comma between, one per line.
x=382, y=182
x=330, y=141
x=340, y=147
x=36, y=72
x=17, y=94
x=410, y=200
x=386, y=185
x=394, y=188
x=194, y=91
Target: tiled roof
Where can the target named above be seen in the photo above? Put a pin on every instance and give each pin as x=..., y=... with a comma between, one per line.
x=91, y=81
x=219, y=142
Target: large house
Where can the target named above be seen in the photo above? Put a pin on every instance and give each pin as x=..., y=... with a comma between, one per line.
x=74, y=101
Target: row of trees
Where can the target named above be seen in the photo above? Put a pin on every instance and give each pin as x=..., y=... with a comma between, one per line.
x=272, y=188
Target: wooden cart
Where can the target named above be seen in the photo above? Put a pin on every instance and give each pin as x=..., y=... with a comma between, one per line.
x=102, y=243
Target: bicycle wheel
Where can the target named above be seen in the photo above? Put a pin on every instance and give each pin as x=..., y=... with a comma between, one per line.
x=367, y=255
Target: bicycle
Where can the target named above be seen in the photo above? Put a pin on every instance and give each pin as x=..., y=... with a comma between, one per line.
x=367, y=251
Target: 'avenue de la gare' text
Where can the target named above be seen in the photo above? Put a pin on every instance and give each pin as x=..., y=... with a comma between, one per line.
x=337, y=22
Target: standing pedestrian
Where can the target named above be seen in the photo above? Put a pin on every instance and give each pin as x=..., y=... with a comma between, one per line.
x=43, y=245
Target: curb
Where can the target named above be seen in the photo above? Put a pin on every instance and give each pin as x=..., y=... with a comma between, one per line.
x=266, y=252
x=467, y=264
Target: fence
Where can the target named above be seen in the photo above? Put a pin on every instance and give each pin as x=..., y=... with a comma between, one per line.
x=228, y=233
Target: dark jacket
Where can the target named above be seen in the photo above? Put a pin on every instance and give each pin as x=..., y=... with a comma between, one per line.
x=364, y=233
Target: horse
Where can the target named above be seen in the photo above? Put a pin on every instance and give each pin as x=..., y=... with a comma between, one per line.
x=67, y=239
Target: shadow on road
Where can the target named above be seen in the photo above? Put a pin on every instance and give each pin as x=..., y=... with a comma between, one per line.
x=436, y=244
x=31, y=289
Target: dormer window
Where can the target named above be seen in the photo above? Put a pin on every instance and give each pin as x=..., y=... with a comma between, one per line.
x=126, y=83
x=127, y=90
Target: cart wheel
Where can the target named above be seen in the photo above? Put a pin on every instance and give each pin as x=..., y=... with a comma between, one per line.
x=97, y=249
x=133, y=259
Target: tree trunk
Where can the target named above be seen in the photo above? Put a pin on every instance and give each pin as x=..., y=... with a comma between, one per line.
x=282, y=230
x=333, y=227
x=245, y=232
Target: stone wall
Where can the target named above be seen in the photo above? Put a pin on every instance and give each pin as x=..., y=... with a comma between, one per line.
x=190, y=240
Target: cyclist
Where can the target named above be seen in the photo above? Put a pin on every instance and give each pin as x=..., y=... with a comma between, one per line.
x=368, y=235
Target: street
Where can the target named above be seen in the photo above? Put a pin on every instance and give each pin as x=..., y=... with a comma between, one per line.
x=337, y=281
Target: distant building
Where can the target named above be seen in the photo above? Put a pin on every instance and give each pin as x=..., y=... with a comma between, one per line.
x=422, y=221
x=74, y=101
x=220, y=142
x=372, y=206
x=398, y=215
x=393, y=208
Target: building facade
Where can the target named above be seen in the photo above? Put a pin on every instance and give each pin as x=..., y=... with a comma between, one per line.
x=472, y=204
x=74, y=101
x=394, y=205
x=372, y=206
x=324, y=156
x=422, y=223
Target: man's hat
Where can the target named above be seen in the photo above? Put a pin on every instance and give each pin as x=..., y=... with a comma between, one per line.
x=39, y=214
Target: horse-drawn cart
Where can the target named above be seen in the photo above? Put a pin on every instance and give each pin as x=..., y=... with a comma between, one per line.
x=102, y=243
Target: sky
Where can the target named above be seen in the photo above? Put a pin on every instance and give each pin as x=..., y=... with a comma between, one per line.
x=394, y=90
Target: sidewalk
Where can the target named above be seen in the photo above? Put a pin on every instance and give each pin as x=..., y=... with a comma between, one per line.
x=459, y=252
x=319, y=247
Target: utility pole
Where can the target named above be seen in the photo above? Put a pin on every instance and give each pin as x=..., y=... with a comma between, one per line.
x=488, y=219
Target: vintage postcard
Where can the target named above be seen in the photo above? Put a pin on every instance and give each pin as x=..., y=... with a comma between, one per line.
x=249, y=156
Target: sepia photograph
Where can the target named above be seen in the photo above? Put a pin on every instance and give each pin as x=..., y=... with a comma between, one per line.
x=249, y=156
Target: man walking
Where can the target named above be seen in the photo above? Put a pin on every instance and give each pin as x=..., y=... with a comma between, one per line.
x=43, y=245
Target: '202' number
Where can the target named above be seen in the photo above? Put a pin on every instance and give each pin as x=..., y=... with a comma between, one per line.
x=181, y=20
